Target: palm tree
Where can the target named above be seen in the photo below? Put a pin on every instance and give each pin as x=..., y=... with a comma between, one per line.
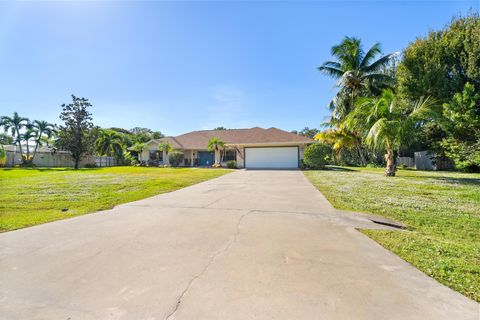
x=390, y=123
x=165, y=146
x=110, y=143
x=14, y=124
x=358, y=73
x=342, y=139
x=43, y=128
x=138, y=148
x=29, y=134
x=215, y=144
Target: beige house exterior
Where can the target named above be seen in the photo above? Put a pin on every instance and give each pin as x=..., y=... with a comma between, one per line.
x=250, y=148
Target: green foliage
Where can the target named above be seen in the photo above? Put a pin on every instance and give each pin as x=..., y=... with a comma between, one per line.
x=231, y=164
x=166, y=146
x=74, y=134
x=387, y=123
x=6, y=139
x=440, y=64
x=462, y=115
x=14, y=125
x=307, y=132
x=175, y=158
x=128, y=159
x=317, y=155
x=359, y=73
x=110, y=143
x=3, y=156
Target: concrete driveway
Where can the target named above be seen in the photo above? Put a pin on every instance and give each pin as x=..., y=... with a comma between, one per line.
x=248, y=245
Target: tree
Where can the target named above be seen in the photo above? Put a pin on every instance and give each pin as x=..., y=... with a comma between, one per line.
x=5, y=139
x=462, y=126
x=157, y=135
x=74, y=134
x=110, y=143
x=138, y=148
x=165, y=146
x=29, y=134
x=341, y=140
x=358, y=74
x=15, y=125
x=215, y=144
x=307, y=132
x=390, y=122
x=220, y=128
x=43, y=129
x=440, y=64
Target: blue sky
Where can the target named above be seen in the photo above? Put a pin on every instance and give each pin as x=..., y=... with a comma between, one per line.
x=182, y=66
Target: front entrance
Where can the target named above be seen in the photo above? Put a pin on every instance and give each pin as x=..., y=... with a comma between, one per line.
x=205, y=158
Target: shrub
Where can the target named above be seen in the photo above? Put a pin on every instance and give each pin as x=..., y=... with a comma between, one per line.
x=231, y=164
x=3, y=157
x=317, y=155
x=175, y=158
x=90, y=165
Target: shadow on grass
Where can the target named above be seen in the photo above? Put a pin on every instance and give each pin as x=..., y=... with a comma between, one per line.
x=335, y=168
x=462, y=181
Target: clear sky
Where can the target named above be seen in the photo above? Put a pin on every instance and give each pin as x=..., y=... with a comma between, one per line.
x=182, y=66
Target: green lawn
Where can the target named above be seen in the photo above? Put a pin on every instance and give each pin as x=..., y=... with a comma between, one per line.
x=441, y=210
x=33, y=196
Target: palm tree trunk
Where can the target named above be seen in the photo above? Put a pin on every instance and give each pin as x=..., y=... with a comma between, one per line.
x=390, y=169
x=19, y=141
x=37, y=142
x=362, y=156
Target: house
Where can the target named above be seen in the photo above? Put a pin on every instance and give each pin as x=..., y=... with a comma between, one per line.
x=250, y=148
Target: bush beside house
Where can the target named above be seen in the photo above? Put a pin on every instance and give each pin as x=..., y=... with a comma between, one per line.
x=317, y=155
x=175, y=158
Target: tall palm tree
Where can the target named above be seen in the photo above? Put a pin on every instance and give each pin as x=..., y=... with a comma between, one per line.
x=358, y=73
x=29, y=134
x=215, y=144
x=15, y=124
x=43, y=129
x=110, y=143
x=390, y=123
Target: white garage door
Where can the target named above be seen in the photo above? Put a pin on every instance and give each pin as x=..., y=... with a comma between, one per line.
x=275, y=157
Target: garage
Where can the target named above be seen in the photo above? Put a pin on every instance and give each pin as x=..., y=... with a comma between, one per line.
x=271, y=158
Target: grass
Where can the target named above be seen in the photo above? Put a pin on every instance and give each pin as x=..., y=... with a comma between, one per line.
x=440, y=209
x=34, y=196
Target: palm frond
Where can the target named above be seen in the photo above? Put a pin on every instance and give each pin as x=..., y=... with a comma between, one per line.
x=370, y=55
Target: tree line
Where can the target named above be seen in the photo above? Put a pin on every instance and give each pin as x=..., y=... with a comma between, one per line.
x=425, y=98
x=77, y=134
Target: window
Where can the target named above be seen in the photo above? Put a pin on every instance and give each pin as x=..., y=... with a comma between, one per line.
x=230, y=155
x=156, y=155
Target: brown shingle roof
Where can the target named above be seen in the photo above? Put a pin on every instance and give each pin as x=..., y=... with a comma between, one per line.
x=199, y=139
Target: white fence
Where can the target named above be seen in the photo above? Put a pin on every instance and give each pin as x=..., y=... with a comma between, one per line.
x=61, y=159
x=408, y=161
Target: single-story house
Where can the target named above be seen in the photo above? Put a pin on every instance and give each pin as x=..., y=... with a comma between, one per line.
x=250, y=148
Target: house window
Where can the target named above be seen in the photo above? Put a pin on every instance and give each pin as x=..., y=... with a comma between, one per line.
x=230, y=155
x=156, y=155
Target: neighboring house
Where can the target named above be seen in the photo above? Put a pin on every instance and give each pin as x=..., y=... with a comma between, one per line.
x=250, y=148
